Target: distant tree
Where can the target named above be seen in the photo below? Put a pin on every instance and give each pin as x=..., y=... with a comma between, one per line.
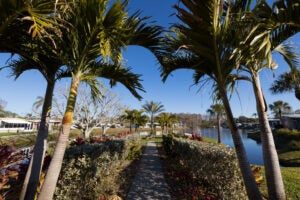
x=218, y=111
x=2, y=106
x=287, y=82
x=89, y=114
x=153, y=108
x=166, y=121
x=135, y=117
x=279, y=108
x=140, y=120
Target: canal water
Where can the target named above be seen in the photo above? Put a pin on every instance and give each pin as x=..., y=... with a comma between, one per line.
x=253, y=149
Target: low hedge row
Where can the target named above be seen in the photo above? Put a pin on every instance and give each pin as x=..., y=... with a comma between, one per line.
x=89, y=170
x=215, y=166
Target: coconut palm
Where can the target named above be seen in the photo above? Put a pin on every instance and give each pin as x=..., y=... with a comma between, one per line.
x=279, y=108
x=153, y=108
x=218, y=110
x=203, y=42
x=287, y=82
x=98, y=35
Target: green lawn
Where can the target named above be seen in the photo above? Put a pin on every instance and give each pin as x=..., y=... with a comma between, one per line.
x=291, y=180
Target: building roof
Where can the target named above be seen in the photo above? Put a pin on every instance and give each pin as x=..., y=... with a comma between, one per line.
x=14, y=120
x=292, y=116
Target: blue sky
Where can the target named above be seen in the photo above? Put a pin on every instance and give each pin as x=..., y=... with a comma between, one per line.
x=175, y=94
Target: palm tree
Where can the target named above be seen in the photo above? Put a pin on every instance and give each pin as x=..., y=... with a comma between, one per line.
x=98, y=36
x=49, y=66
x=36, y=18
x=166, y=120
x=153, y=108
x=218, y=109
x=129, y=115
x=287, y=82
x=140, y=119
x=203, y=43
x=266, y=30
x=280, y=107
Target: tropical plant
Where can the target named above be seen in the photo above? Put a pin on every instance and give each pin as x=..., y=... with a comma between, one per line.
x=166, y=121
x=287, y=82
x=134, y=117
x=218, y=110
x=264, y=31
x=279, y=108
x=32, y=18
x=203, y=43
x=153, y=108
x=98, y=34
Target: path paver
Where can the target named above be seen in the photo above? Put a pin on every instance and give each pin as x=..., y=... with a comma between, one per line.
x=149, y=182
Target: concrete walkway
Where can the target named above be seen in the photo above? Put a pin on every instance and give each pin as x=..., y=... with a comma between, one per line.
x=149, y=182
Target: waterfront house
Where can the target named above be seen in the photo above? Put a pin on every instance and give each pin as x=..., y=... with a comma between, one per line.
x=291, y=121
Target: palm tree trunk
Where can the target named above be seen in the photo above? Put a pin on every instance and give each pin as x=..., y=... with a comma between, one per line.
x=52, y=175
x=272, y=167
x=219, y=129
x=249, y=181
x=33, y=173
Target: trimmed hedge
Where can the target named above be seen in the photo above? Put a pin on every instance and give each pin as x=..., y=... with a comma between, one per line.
x=215, y=166
x=89, y=170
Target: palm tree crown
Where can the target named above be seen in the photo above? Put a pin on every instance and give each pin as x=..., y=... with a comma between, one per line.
x=279, y=108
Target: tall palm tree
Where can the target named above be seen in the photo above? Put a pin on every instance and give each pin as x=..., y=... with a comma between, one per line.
x=280, y=107
x=153, y=108
x=287, y=82
x=49, y=66
x=98, y=35
x=218, y=110
x=266, y=30
x=203, y=42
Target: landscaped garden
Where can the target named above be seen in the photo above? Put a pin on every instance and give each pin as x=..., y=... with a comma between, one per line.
x=191, y=168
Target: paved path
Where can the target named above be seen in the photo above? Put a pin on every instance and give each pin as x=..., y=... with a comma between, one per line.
x=149, y=182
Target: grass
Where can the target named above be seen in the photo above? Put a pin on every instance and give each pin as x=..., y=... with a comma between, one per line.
x=291, y=180
x=290, y=158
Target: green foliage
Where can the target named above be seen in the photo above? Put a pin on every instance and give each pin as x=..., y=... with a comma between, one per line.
x=135, y=151
x=291, y=179
x=294, y=145
x=215, y=166
x=288, y=134
x=89, y=171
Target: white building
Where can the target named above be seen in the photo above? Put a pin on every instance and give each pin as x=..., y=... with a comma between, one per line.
x=14, y=125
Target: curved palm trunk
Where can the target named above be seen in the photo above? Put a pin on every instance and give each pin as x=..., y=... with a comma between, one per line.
x=249, y=181
x=33, y=173
x=272, y=168
x=219, y=129
x=51, y=178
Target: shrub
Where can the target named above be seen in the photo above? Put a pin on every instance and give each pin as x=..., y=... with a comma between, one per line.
x=214, y=166
x=294, y=145
x=288, y=134
x=89, y=170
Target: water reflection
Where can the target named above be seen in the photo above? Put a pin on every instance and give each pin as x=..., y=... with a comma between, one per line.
x=254, y=150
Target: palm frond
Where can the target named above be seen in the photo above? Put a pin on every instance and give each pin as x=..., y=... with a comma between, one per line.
x=122, y=75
